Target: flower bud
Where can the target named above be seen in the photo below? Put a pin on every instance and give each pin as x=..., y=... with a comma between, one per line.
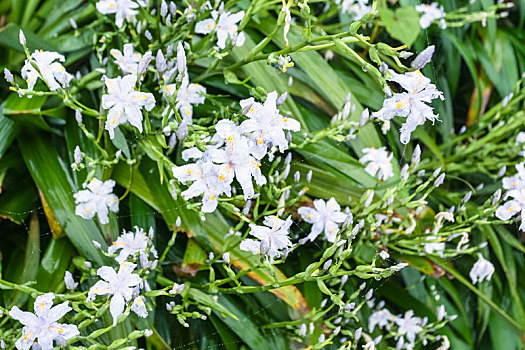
x=69, y=281
x=309, y=176
x=181, y=58
x=144, y=62
x=163, y=9
x=364, y=117
x=281, y=99
x=439, y=180
x=160, y=62
x=423, y=58
x=246, y=207
x=8, y=76
x=22, y=38
x=416, y=156
x=182, y=132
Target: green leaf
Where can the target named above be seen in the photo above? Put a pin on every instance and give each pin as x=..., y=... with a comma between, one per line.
x=30, y=262
x=120, y=142
x=27, y=111
x=17, y=201
x=246, y=328
x=501, y=335
x=403, y=24
x=55, y=183
x=56, y=260
x=447, y=267
x=8, y=131
x=141, y=213
x=9, y=38
x=194, y=257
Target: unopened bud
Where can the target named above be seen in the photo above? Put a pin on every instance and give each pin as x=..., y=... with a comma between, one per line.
x=423, y=58
x=22, y=38
x=8, y=76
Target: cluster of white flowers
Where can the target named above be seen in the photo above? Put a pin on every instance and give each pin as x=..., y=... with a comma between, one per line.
x=125, y=284
x=407, y=326
x=225, y=24
x=235, y=152
x=273, y=238
x=515, y=186
x=122, y=286
x=131, y=243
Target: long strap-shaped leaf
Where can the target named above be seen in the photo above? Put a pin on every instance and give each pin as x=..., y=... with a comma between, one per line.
x=42, y=160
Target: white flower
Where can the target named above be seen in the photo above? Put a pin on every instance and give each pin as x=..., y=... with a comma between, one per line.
x=273, y=237
x=381, y=318
x=130, y=243
x=482, y=269
x=379, y=162
x=96, y=199
x=139, y=307
x=53, y=73
x=69, y=281
x=445, y=345
x=42, y=326
x=409, y=325
x=187, y=96
x=234, y=160
x=226, y=26
x=513, y=206
x=431, y=12
x=124, y=103
x=177, y=288
x=127, y=61
x=266, y=125
x=121, y=8
x=432, y=246
x=119, y=285
x=77, y=155
x=412, y=104
x=205, y=178
x=517, y=181
x=325, y=217
x=356, y=8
